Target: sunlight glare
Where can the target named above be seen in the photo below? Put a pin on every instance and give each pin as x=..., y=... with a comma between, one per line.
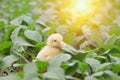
x=82, y=6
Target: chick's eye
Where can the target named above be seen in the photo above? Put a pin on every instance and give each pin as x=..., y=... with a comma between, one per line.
x=55, y=40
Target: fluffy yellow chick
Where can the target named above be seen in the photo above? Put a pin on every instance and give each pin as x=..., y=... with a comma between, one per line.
x=54, y=44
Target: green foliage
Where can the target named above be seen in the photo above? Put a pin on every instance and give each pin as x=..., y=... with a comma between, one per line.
x=30, y=71
x=5, y=45
x=35, y=35
x=14, y=9
x=54, y=70
x=92, y=53
x=69, y=38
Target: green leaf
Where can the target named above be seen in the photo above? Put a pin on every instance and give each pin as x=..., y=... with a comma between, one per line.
x=1, y=63
x=19, y=40
x=112, y=75
x=57, y=61
x=83, y=66
x=15, y=33
x=72, y=69
x=20, y=74
x=22, y=42
x=8, y=60
x=10, y=77
x=97, y=74
x=116, y=68
x=2, y=24
x=93, y=63
x=8, y=31
x=55, y=72
x=115, y=31
x=5, y=45
x=18, y=21
x=42, y=66
x=112, y=40
x=48, y=32
x=68, y=49
x=103, y=66
x=116, y=59
x=72, y=78
x=33, y=35
x=69, y=37
x=72, y=50
x=52, y=26
x=90, y=78
x=96, y=36
x=40, y=44
x=30, y=71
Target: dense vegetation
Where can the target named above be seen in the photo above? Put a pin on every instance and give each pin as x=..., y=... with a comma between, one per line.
x=93, y=36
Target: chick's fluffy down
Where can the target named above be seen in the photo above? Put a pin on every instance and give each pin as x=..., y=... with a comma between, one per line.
x=48, y=53
x=54, y=44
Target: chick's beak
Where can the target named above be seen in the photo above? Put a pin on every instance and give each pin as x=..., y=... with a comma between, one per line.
x=63, y=44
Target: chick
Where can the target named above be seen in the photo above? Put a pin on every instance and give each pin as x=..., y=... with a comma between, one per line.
x=54, y=44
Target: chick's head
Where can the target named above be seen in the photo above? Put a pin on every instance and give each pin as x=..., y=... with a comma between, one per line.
x=56, y=40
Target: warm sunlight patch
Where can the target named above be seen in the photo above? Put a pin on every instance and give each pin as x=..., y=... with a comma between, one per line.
x=82, y=6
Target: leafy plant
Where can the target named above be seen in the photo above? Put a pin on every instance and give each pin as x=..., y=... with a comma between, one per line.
x=93, y=50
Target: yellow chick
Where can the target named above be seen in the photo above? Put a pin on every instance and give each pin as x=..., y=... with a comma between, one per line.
x=54, y=44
